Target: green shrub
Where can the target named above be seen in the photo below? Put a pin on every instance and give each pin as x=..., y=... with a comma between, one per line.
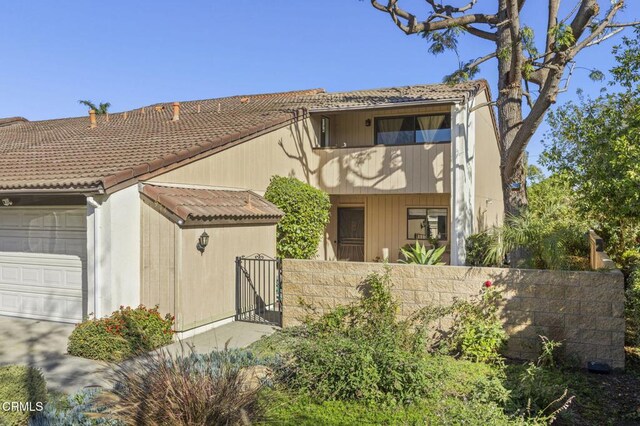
x=99, y=339
x=336, y=367
x=477, y=333
x=127, y=332
x=419, y=254
x=477, y=250
x=24, y=385
x=632, y=309
x=629, y=261
x=283, y=408
x=457, y=392
x=306, y=216
x=534, y=240
x=538, y=389
x=144, y=328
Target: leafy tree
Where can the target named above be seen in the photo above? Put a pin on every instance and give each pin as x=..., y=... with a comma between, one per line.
x=595, y=143
x=306, y=216
x=102, y=108
x=522, y=61
x=534, y=174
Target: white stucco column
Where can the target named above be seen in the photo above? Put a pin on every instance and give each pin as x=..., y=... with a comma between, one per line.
x=462, y=179
x=113, y=251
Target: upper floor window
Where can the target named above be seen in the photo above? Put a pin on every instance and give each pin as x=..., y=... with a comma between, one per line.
x=407, y=130
x=324, y=131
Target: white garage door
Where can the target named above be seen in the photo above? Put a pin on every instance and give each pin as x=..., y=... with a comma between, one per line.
x=42, y=256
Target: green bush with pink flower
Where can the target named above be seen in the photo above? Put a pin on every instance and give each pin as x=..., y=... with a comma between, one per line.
x=125, y=333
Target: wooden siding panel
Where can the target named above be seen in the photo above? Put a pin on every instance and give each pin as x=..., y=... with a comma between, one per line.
x=385, y=220
x=290, y=151
x=208, y=279
x=489, y=207
x=158, y=261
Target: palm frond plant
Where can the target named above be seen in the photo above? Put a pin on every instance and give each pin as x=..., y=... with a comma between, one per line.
x=538, y=241
x=101, y=108
x=420, y=255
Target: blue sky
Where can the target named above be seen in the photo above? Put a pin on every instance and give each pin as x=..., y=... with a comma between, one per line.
x=133, y=53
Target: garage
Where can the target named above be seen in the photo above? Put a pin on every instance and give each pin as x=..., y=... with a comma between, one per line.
x=42, y=259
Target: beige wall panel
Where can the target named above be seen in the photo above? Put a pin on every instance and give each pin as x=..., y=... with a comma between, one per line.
x=385, y=221
x=289, y=152
x=349, y=129
x=158, y=260
x=207, y=283
x=489, y=208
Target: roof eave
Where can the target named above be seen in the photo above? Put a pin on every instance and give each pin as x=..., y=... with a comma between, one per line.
x=230, y=221
x=448, y=101
x=93, y=190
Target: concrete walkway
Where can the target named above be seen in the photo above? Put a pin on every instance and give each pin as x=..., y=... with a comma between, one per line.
x=233, y=335
x=43, y=344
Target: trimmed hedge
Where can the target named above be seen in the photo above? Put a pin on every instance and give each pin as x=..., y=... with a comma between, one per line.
x=126, y=333
x=306, y=216
x=25, y=385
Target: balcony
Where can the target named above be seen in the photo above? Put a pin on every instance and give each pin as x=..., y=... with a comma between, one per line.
x=379, y=169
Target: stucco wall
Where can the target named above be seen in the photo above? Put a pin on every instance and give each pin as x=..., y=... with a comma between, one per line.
x=583, y=310
x=113, y=250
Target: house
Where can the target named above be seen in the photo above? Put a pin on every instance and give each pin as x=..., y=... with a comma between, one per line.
x=109, y=210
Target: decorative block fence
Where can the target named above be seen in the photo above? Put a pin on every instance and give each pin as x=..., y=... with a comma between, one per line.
x=583, y=310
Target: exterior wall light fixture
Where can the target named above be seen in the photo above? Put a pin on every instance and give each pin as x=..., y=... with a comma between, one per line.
x=203, y=241
x=367, y=122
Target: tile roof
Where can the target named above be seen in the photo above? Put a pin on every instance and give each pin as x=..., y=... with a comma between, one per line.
x=67, y=154
x=200, y=206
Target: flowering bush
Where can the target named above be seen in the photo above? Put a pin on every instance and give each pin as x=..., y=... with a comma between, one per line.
x=125, y=333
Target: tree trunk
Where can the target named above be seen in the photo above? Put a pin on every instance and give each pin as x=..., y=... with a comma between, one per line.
x=515, y=200
x=509, y=106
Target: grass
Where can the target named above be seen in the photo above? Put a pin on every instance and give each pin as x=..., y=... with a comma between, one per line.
x=286, y=408
x=20, y=384
x=464, y=392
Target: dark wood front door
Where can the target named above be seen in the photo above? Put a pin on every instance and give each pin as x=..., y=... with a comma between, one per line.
x=351, y=234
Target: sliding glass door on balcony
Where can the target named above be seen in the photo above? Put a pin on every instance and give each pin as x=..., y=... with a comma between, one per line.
x=351, y=234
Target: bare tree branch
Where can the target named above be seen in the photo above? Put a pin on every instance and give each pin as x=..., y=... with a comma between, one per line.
x=448, y=10
x=491, y=36
x=412, y=26
x=482, y=59
x=605, y=37
x=602, y=26
x=552, y=21
x=623, y=24
x=588, y=9
x=568, y=79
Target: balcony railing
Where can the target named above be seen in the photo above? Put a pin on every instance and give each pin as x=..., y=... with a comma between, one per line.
x=423, y=168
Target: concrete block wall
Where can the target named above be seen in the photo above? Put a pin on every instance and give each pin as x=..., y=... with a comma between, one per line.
x=583, y=310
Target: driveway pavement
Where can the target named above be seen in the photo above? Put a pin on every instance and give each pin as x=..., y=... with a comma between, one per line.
x=43, y=344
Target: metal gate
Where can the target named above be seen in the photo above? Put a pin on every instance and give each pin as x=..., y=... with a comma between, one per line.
x=259, y=289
